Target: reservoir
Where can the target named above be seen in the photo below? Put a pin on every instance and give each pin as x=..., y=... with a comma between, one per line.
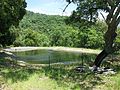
x=51, y=56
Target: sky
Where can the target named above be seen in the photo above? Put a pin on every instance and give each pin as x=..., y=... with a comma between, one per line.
x=53, y=7
x=50, y=7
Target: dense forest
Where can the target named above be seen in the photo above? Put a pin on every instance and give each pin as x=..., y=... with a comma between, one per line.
x=52, y=30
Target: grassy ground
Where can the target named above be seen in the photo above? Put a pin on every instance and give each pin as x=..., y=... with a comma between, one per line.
x=57, y=77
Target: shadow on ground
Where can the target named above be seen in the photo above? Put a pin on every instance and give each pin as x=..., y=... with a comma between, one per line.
x=63, y=74
x=18, y=74
x=85, y=81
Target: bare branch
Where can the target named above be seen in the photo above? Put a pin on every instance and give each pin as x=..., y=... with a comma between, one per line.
x=118, y=21
x=116, y=16
x=110, y=16
x=102, y=15
x=66, y=6
x=117, y=12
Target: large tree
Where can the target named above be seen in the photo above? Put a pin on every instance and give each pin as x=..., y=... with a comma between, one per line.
x=88, y=10
x=11, y=12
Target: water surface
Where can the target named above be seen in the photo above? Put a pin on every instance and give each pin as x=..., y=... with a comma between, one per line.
x=49, y=56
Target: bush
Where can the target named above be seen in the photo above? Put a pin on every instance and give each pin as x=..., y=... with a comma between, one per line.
x=32, y=38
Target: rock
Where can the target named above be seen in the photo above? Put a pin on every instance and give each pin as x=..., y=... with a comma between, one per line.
x=80, y=69
x=109, y=72
x=22, y=63
x=102, y=70
x=94, y=68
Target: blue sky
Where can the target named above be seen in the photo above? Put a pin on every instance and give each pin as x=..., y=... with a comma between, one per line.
x=50, y=7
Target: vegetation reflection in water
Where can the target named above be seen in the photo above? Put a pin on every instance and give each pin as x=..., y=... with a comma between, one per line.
x=49, y=56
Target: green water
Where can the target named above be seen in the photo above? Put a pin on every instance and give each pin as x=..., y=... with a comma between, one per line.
x=49, y=56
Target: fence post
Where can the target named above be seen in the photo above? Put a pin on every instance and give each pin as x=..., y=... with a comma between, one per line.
x=49, y=61
x=82, y=59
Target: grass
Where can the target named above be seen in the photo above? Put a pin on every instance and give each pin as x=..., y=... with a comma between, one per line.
x=56, y=77
x=36, y=82
x=35, y=79
x=110, y=83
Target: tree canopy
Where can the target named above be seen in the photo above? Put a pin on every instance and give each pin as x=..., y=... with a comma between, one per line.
x=89, y=9
x=53, y=31
x=11, y=12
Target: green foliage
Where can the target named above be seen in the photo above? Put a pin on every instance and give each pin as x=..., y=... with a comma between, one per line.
x=47, y=30
x=57, y=77
x=88, y=10
x=64, y=36
x=117, y=40
x=11, y=12
x=29, y=37
x=53, y=27
x=50, y=30
x=91, y=37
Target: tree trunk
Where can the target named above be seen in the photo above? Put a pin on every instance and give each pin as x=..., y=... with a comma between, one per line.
x=100, y=58
x=109, y=37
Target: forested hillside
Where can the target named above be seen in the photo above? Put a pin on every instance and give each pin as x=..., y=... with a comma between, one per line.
x=51, y=30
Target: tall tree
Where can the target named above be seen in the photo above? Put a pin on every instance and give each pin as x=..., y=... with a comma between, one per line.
x=88, y=10
x=11, y=12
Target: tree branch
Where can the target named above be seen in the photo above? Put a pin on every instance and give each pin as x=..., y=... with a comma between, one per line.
x=117, y=13
x=116, y=16
x=111, y=12
x=118, y=21
x=102, y=15
x=110, y=15
x=66, y=6
x=110, y=2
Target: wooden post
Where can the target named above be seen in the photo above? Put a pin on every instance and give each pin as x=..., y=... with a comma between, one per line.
x=49, y=61
x=82, y=60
